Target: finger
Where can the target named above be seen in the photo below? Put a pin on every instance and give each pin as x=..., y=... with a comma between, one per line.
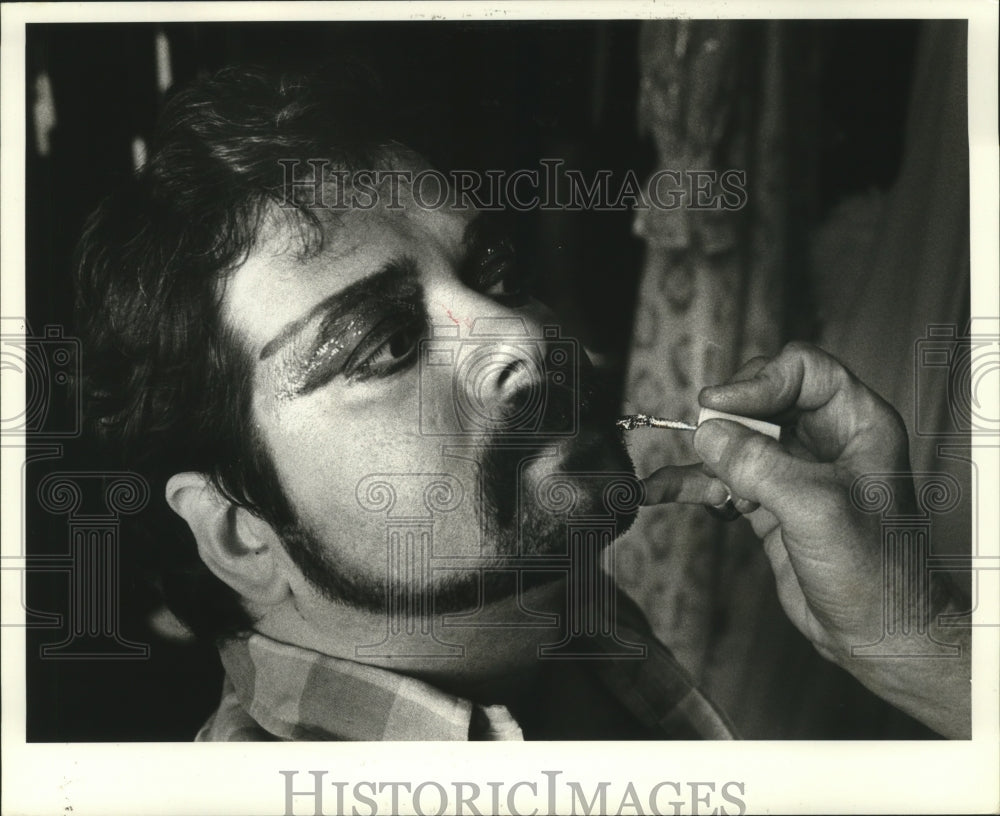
x=733, y=507
x=724, y=512
x=755, y=467
x=801, y=377
x=832, y=406
x=745, y=506
x=794, y=445
x=749, y=369
x=687, y=484
x=763, y=522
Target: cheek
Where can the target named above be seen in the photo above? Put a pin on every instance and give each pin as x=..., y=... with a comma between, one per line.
x=349, y=480
x=348, y=474
x=324, y=444
x=321, y=463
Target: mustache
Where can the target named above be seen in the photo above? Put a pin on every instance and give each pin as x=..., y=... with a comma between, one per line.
x=587, y=408
x=565, y=408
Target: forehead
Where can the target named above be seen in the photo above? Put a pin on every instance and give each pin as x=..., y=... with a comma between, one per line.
x=278, y=283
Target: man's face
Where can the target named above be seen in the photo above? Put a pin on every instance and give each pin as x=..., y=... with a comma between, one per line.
x=362, y=393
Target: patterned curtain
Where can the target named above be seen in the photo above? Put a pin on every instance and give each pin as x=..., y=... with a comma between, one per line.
x=719, y=287
x=711, y=295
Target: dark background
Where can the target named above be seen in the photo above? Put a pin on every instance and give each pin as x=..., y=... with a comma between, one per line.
x=478, y=95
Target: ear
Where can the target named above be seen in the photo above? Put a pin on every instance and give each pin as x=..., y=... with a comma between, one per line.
x=239, y=548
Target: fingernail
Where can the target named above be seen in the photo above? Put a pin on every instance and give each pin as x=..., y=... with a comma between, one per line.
x=711, y=440
x=717, y=493
x=707, y=392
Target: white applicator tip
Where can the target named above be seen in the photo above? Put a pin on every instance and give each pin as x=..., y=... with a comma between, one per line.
x=768, y=428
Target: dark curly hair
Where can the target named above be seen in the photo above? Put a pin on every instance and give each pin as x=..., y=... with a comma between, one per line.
x=167, y=387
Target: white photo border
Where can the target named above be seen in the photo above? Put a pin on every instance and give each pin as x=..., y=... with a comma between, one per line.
x=244, y=778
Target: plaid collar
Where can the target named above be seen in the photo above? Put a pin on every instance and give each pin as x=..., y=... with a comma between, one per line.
x=274, y=690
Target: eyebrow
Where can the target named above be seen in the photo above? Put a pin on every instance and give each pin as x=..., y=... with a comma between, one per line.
x=392, y=274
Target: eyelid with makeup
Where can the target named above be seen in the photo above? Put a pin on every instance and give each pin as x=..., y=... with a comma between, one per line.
x=347, y=340
x=490, y=259
x=365, y=313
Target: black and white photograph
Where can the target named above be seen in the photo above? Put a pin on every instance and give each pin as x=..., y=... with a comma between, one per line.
x=617, y=380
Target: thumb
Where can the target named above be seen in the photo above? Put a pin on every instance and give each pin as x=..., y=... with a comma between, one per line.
x=756, y=467
x=688, y=484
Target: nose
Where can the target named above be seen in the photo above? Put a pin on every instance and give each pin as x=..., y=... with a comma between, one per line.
x=510, y=373
x=501, y=367
x=500, y=377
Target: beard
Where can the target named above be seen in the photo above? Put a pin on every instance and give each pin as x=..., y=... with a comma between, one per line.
x=523, y=508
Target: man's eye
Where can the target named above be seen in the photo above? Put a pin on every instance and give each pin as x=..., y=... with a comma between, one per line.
x=500, y=276
x=386, y=350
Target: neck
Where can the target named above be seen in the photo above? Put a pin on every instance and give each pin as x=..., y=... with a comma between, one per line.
x=492, y=658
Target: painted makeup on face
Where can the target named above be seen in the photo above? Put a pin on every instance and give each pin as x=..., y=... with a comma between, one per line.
x=371, y=328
